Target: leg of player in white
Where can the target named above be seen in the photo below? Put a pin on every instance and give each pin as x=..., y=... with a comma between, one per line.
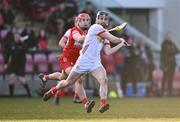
x=101, y=76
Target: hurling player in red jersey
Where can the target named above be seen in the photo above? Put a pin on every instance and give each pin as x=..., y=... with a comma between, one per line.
x=74, y=37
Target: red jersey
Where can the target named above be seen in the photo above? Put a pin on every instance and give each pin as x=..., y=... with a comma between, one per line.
x=73, y=47
x=71, y=51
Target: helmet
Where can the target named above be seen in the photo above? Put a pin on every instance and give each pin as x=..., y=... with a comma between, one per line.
x=82, y=15
x=102, y=13
x=83, y=20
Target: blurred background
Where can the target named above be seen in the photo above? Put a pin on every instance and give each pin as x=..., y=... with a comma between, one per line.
x=149, y=68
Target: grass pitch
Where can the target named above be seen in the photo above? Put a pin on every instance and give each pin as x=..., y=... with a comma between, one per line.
x=121, y=110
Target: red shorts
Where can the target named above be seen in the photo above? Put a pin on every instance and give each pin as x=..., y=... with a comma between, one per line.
x=66, y=61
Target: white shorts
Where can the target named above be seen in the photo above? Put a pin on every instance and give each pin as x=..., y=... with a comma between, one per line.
x=84, y=66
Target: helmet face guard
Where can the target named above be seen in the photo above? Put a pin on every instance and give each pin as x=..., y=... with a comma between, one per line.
x=102, y=13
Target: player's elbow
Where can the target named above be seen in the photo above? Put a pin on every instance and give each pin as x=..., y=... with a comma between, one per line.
x=61, y=44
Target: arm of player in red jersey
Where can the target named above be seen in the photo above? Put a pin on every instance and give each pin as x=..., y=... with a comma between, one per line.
x=63, y=41
x=78, y=37
x=108, y=50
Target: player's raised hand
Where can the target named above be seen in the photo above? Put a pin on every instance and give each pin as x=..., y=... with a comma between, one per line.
x=127, y=44
x=124, y=42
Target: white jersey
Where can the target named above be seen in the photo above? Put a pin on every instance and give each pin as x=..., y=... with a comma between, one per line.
x=93, y=44
x=90, y=54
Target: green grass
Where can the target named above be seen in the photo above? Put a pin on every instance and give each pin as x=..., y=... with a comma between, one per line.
x=125, y=110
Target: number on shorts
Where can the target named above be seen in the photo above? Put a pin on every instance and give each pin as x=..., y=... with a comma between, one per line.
x=85, y=48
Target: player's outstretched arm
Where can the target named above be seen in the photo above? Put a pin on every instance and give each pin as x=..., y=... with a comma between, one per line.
x=111, y=38
x=108, y=50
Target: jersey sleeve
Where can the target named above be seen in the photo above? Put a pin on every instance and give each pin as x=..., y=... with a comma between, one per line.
x=66, y=35
x=97, y=29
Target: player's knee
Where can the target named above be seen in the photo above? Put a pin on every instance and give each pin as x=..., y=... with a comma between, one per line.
x=68, y=82
x=63, y=83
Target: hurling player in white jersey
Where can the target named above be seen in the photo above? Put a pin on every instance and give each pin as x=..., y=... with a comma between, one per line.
x=90, y=60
